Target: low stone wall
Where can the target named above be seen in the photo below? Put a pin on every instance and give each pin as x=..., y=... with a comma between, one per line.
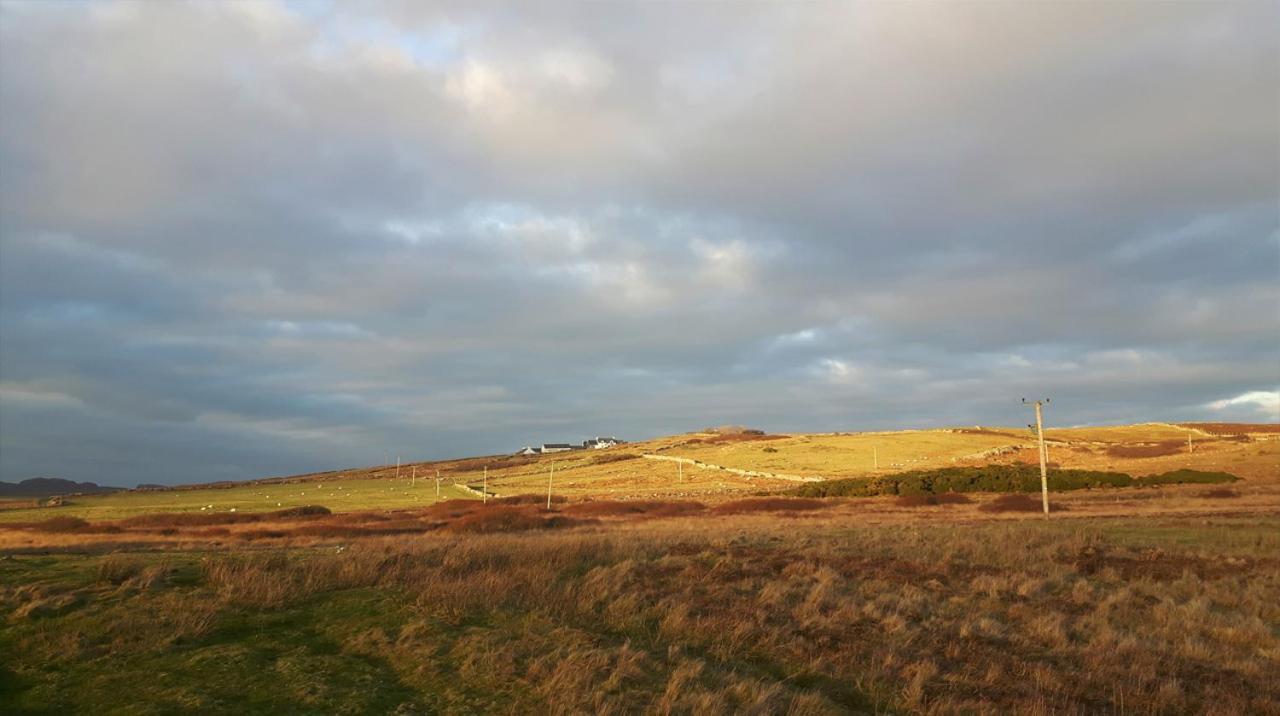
x=736, y=471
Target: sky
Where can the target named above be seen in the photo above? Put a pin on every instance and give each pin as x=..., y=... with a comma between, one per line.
x=260, y=238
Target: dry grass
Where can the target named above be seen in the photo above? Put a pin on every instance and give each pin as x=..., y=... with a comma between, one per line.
x=654, y=617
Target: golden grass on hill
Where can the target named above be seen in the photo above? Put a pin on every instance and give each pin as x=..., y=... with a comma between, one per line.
x=624, y=473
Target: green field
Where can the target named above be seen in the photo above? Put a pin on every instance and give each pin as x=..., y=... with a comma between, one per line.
x=339, y=495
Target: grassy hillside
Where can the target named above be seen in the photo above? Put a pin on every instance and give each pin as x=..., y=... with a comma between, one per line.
x=625, y=472
x=705, y=600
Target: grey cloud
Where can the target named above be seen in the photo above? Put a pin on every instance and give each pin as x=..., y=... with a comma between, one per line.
x=263, y=238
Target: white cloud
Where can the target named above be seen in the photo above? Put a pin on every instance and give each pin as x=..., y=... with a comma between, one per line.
x=575, y=70
x=840, y=372
x=1266, y=402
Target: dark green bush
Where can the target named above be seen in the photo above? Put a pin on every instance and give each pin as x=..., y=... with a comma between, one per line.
x=1015, y=477
x=1186, y=477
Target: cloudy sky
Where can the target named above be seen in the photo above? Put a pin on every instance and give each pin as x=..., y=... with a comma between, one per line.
x=260, y=238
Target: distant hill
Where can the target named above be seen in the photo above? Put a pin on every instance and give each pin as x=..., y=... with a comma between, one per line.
x=44, y=486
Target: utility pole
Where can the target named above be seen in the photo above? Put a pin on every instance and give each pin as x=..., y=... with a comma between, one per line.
x=549, y=479
x=397, y=467
x=680, y=469
x=1189, y=448
x=413, y=476
x=484, y=486
x=1044, y=454
x=875, y=457
x=437, y=485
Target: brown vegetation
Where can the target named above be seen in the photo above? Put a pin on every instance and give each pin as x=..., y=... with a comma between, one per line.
x=997, y=618
x=771, y=504
x=605, y=458
x=651, y=508
x=511, y=518
x=734, y=438
x=1160, y=449
x=1019, y=503
x=1220, y=493
x=1235, y=428
x=946, y=498
x=60, y=524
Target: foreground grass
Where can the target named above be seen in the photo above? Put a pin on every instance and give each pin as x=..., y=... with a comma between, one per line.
x=771, y=614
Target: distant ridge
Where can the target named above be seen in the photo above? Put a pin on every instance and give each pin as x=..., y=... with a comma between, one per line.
x=45, y=486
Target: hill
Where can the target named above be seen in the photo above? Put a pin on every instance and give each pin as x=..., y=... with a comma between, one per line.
x=48, y=486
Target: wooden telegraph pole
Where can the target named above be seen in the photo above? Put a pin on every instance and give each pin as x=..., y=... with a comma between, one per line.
x=679, y=470
x=413, y=476
x=484, y=487
x=437, y=485
x=549, y=479
x=1044, y=454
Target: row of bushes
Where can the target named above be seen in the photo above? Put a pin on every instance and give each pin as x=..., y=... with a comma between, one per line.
x=996, y=478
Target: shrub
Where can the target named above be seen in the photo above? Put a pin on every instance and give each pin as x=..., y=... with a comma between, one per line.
x=1166, y=447
x=995, y=478
x=301, y=512
x=847, y=487
x=530, y=499
x=1018, y=503
x=1187, y=477
x=946, y=498
x=495, y=462
x=508, y=518
x=770, y=504
x=608, y=457
x=190, y=519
